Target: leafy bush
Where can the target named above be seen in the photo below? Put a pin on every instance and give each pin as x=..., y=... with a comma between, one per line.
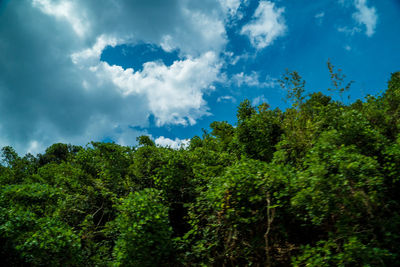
x=144, y=235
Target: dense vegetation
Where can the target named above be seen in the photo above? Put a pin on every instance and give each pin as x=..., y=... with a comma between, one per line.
x=314, y=185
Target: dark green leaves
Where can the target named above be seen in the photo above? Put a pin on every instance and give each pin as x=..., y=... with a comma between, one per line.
x=315, y=185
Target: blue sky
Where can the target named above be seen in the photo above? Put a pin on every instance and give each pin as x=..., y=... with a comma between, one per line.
x=78, y=71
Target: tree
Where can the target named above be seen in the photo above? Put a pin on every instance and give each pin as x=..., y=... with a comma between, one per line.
x=294, y=85
x=144, y=234
x=145, y=140
x=337, y=79
x=259, y=132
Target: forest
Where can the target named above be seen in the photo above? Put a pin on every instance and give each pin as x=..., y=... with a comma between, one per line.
x=313, y=185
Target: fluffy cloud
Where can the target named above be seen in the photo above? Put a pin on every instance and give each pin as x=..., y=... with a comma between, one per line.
x=175, y=93
x=253, y=80
x=366, y=15
x=175, y=144
x=230, y=6
x=55, y=88
x=67, y=11
x=266, y=26
x=241, y=79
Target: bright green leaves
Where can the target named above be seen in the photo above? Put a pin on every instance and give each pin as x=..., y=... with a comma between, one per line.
x=315, y=185
x=231, y=219
x=145, y=140
x=54, y=238
x=392, y=101
x=13, y=168
x=108, y=163
x=224, y=133
x=341, y=191
x=55, y=153
x=144, y=234
x=245, y=111
x=337, y=183
x=392, y=95
x=30, y=227
x=392, y=163
x=222, y=215
x=39, y=198
x=348, y=252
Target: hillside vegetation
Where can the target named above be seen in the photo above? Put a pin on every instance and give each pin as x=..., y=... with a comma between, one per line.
x=314, y=185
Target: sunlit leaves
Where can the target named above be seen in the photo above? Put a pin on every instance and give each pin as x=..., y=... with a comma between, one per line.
x=315, y=185
x=144, y=232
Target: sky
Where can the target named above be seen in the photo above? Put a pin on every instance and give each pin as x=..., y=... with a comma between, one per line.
x=75, y=71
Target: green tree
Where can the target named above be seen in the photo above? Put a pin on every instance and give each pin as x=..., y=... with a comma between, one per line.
x=259, y=132
x=144, y=235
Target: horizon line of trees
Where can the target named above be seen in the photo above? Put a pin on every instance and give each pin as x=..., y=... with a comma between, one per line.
x=314, y=185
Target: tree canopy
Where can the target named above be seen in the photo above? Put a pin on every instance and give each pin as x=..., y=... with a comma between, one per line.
x=314, y=185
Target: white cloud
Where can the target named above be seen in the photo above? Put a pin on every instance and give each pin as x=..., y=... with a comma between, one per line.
x=175, y=93
x=266, y=26
x=65, y=10
x=230, y=6
x=127, y=137
x=58, y=89
x=246, y=79
x=233, y=59
x=349, y=31
x=366, y=15
x=259, y=100
x=208, y=34
x=35, y=147
x=319, y=15
x=226, y=98
x=253, y=80
x=91, y=56
x=175, y=144
x=270, y=82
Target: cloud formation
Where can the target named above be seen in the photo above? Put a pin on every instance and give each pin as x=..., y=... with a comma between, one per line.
x=365, y=15
x=226, y=98
x=55, y=88
x=231, y=6
x=266, y=26
x=175, y=144
x=259, y=100
x=174, y=94
x=57, y=82
x=253, y=80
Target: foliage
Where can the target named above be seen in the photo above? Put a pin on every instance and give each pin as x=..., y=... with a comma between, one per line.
x=314, y=185
x=144, y=234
